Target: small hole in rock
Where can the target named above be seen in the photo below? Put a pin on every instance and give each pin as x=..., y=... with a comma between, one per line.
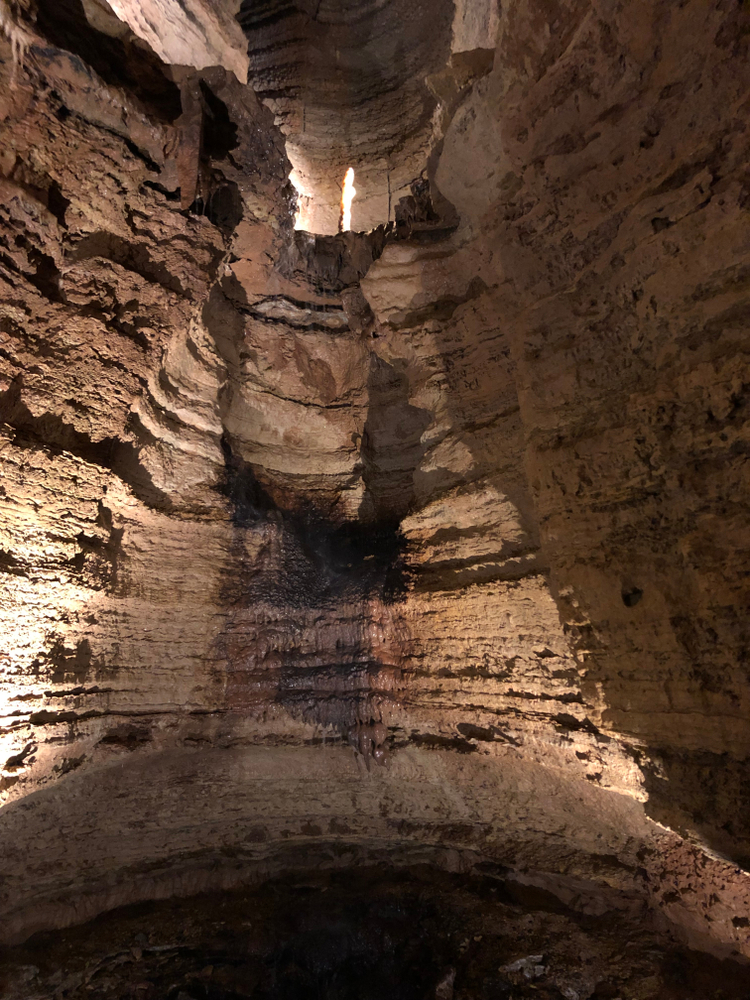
x=631, y=596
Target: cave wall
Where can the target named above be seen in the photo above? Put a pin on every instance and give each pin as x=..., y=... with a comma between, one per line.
x=320, y=551
x=620, y=230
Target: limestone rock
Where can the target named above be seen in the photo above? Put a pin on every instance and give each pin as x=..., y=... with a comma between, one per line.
x=390, y=585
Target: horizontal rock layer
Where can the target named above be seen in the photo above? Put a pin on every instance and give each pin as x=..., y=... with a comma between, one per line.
x=424, y=543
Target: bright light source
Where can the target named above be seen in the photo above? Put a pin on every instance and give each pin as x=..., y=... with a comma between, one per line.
x=347, y=197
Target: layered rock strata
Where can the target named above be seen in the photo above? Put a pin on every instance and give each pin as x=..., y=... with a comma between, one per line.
x=420, y=545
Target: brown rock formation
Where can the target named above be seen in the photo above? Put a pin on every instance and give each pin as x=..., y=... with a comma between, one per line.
x=373, y=605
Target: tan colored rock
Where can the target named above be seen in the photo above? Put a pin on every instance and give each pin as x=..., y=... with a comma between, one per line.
x=197, y=33
x=419, y=549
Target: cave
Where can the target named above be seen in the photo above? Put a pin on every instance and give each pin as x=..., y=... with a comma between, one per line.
x=374, y=523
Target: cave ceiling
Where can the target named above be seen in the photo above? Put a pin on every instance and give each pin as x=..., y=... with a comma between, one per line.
x=373, y=601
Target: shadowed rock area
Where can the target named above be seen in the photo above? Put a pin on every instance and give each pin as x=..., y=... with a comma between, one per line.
x=420, y=932
x=373, y=604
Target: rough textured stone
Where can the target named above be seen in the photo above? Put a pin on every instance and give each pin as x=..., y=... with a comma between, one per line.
x=196, y=33
x=420, y=550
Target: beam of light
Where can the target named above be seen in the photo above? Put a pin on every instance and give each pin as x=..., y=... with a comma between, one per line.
x=347, y=197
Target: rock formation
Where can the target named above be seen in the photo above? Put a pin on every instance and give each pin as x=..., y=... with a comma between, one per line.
x=373, y=604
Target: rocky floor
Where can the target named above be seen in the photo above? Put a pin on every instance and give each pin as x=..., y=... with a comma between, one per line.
x=409, y=935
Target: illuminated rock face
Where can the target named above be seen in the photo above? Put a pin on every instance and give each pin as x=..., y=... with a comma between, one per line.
x=390, y=585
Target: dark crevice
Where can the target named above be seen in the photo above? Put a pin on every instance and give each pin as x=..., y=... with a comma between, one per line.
x=221, y=203
x=57, y=203
x=169, y=195
x=219, y=131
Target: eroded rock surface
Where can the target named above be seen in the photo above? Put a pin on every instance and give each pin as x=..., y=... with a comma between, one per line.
x=422, y=546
